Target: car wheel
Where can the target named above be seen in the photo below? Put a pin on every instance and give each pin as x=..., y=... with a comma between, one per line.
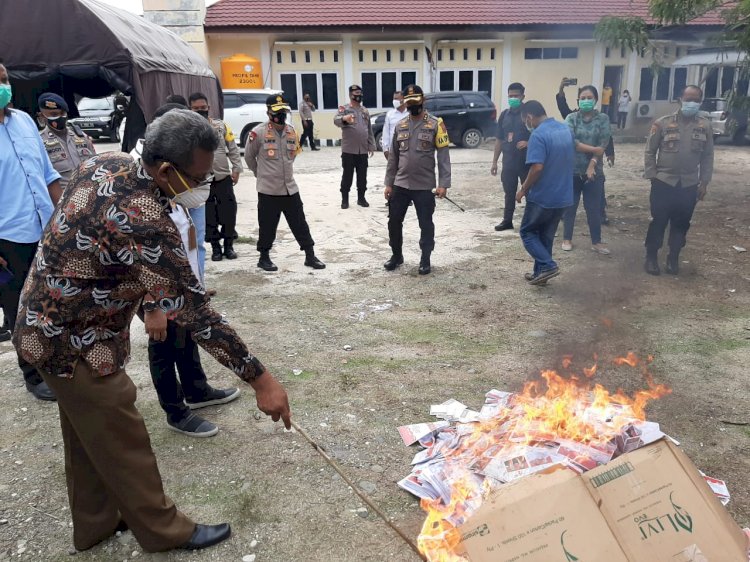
x=739, y=136
x=471, y=138
x=114, y=136
x=378, y=140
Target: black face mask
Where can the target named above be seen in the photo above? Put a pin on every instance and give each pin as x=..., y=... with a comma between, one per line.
x=57, y=123
x=202, y=112
x=415, y=109
x=279, y=118
x=357, y=98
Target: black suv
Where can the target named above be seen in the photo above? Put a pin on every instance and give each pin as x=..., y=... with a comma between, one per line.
x=468, y=116
x=101, y=117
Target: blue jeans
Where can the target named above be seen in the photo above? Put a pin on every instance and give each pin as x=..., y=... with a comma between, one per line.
x=199, y=220
x=538, y=229
x=592, y=201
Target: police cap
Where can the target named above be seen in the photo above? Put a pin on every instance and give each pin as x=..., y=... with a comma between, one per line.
x=52, y=101
x=276, y=103
x=413, y=95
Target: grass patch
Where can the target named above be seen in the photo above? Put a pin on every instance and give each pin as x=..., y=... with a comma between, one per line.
x=705, y=347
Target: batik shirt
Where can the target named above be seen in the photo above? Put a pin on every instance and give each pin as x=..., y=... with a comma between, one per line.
x=110, y=242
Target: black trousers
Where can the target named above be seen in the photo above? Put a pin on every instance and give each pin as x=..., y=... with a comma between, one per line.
x=424, y=205
x=307, y=133
x=350, y=163
x=180, y=351
x=622, y=119
x=270, y=208
x=509, y=177
x=20, y=258
x=221, y=211
x=671, y=206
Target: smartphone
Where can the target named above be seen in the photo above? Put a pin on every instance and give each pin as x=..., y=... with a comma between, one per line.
x=571, y=82
x=5, y=275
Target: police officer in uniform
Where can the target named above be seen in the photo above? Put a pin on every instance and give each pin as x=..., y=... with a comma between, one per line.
x=270, y=152
x=357, y=145
x=410, y=176
x=66, y=144
x=679, y=161
x=511, y=139
x=221, y=207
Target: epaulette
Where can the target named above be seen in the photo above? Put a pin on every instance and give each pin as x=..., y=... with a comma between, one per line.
x=77, y=130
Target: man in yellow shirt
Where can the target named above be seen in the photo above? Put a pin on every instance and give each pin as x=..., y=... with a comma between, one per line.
x=606, y=99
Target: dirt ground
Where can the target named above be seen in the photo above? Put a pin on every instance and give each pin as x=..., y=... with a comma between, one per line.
x=472, y=325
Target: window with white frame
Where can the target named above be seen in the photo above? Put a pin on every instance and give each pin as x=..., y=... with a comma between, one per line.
x=466, y=80
x=666, y=84
x=719, y=80
x=322, y=86
x=378, y=86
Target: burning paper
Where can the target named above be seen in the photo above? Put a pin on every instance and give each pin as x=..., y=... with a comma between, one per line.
x=413, y=433
x=571, y=422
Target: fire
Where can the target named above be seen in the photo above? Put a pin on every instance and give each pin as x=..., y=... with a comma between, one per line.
x=554, y=420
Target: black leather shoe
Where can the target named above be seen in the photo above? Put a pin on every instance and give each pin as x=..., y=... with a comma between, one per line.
x=345, y=201
x=229, y=252
x=362, y=202
x=265, y=262
x=652, y=266
x=504, y=226
x=673, y=264
x=424, y=266
x=207, y=535
x=312, y=261
x=216, y=253
x=5, y=335
x=41, y=391
x=393, y=263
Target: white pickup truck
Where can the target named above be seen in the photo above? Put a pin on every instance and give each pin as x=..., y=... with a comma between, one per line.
x=244, y=109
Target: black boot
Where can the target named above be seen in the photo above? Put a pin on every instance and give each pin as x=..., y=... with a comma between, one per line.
x=652, y=263
x=216, y=254
x=344, y=200
x=265, y=262
x=673, y=263
x=394, y=262
x=229, y=252
x=311, y=260
x=424, y=264
x=361, y=201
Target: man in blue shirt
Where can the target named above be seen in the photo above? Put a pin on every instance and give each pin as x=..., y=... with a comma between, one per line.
x=30, y=188
x=548, y=188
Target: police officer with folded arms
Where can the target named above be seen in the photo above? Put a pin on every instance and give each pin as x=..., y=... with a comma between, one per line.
x=679, y=161
x=66, y=144
x=357, y=145
x=270, y=152
x=418, y=140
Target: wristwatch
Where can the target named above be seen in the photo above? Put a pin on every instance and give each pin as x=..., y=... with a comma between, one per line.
x=149, y=306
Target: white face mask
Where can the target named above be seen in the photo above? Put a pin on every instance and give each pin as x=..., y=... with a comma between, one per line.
x=396, y=104
x=194, y=198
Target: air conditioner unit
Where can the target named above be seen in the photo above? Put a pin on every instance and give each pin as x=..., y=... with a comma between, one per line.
x=645, y=109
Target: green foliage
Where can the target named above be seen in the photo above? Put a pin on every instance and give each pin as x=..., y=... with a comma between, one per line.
x=630, y=33
x=679, y=12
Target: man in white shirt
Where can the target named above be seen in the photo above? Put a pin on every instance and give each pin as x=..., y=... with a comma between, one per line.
x=391, y=120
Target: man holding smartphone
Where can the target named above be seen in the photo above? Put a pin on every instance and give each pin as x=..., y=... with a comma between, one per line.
x=30, y=188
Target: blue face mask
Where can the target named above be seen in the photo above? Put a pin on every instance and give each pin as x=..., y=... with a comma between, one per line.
x=690, y=108
x=6, y=93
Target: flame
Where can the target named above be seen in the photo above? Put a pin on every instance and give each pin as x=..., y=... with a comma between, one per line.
x=582, y=415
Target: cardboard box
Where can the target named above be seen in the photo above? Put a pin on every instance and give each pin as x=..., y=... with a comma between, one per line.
x=650, y=505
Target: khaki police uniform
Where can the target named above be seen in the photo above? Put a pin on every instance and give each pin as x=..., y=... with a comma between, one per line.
x=306, y=115
x=679, y=157
x=66, y=150
x=357, y=140
x=221, y=207
x=417, y=143
x=270, y=155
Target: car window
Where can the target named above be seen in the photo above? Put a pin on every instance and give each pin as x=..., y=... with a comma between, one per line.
x=254, y=98
x=477, y=99
x=449, y=103
x=87, y=104
x=232, y=100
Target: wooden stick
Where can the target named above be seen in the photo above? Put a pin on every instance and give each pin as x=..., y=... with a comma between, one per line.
x=357, y=491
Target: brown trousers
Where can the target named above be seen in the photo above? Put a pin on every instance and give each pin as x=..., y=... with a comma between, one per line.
x=109, y=464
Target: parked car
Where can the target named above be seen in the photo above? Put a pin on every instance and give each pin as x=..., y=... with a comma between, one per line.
x=468, y=116
x=724, y=121
x=244, y=109
x=101, y=117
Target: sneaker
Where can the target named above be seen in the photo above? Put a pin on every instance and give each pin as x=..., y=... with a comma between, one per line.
x=600, y=249
x=194, y=426
x=504, y=226
x=213, y=397
x=544, y=276
x=530, y=276
x=567, y=245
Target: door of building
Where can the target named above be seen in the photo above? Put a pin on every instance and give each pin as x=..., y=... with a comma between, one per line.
x=613, y=77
